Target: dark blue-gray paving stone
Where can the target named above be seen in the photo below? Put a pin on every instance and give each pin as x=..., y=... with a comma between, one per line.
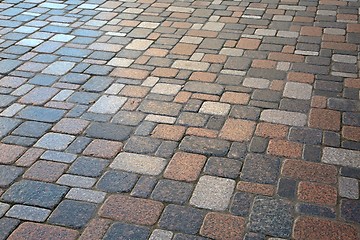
x=35, y=193
x=144, y=186
x=7, y=225
x=344, y=104
x=350, y=210
x=86, y=166
x=139, y=144
x=223, y=167
x=321, y=211
x=206, y=146
x=99, y=70
x=117, y=181
x=166, y=149
x=312, y=153
x=123, y=231
x=76, y=78
x=6, y=100
x=73, y=52
x=32, y=129
x=97, y=84
x=241, y=204
x=7, y=65
x=8, y=174
x=83, y=97
x=41, y=114
x=305, y=135
x=18, y=140
x=109, y=131
x=43, y=79
x=260, y=169
x=182, y=219
x=237, y=151
x=74, y=214
x=350, y=172
x=271, y=217
x=254, y=236
x=172, y=191
x=351, y=118
x=7, y=125
x=287, y=188
x=78, y=145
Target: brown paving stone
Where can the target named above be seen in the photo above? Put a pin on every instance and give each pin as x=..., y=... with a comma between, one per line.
x=134, y=91
x=131, y=104
x=29, y=157
x=351, y=133
x=277, y=85
x=271, y=130
x=206, y=97
x=130, y=73
x=103, y=148
x=324, y=119
x=318, y=102
x=300, y=77
x=257, y=188
x=169, y=132
x=317, y=193
x=37, y=231
x=131, y=210
x=45, y=171
x=71, y=126
x=96, y=229
x=10, y=153
x=184, y=49
x=185, y=166
x=339, y=46
x=353, y=27
x=203, y=76
x=235, y=98
x=248, y=43
x=259, y=63
x=201, y=132
x=306, y=228
x=311, y=31
x=156, y=52
x=352, y=82
x=214, y=58
x=237, y=130
x=223, y=226
x=165, y=72
x=284, y=148
x=182, y=97
x=310, y=171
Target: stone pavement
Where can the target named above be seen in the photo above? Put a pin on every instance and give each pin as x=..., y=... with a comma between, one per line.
x=179, y=119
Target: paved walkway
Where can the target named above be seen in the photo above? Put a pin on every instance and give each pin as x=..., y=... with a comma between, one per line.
x=179, y=119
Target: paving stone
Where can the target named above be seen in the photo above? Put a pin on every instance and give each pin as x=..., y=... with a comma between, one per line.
x=7, y=65
x=213, y=193
x=85, y=195
x=76, y=181
x=108, y=131
x=142, y=145
x=35, y=193
x=117, y=182
x=127, y=231
x=297, y=90
x=223, y=167
x=271, y=217
x=55, y=141
x=131, y=210
x=108, y=104
x=144, y=186
x=89, y=167
x=7, y=125
x=241, y=204
x=215, y=108
x=245, y=112
x=317, y=193
x=317, y=228
x=283, y=117
x=256, y=83
x=32, y=129
x=314, y=210
x=205, y=146
x=58, y=156
x=172, y=191
x=342, y=157
x=59, y=68
x=45, y=171
x=28, y=213
x=72, y=214
x=32, y=231
x=260, y=169
x=8, y=174
x=324, y=119
x=161, y=108
x=161, y=234
x=181, y=218
x=237, y=130
x=348, y=187
x=41, y=114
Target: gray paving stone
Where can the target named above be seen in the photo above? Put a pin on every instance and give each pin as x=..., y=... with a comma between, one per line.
x=32, y=129
x=7, y=125
x=241, y=204
x=271, y=217
x=144, y=186
x=206, y=146
x=3, y=208
x=297, y=90
x=181, y=218
x=314, y=210
x=108, y=104
x=59, y=68
x=342, y=157
x=305, y=135
x=7, y=225
x=161, y=234
x=200, y=87
x=213, y=193
x=76, y=181
x=348, y=187
x=55, y=141
x=117, y=181
x=6, y=100
x=8, y=174
x=223, y=167
x=29, y=213
x=86, y=195
x=160, y=108
x=7, y=65
x=261, y=83
x=138, y=163
x=88, y=167
x=108, y=131
x=172, y=191
x=35, y=193
x=283, y=117
x=349, y=210
x=41, y=114
x=72, y=214
x=58, y=156
x=127, y=231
